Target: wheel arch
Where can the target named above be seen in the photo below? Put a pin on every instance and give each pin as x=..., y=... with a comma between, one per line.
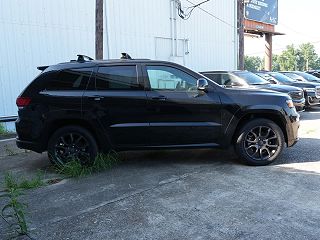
x=59, y=123
x=274, y=116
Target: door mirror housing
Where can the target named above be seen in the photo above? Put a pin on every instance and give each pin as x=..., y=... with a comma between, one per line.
x=202, y=84
x=273, y=81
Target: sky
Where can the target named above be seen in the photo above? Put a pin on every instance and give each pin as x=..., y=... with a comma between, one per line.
x=298, y=20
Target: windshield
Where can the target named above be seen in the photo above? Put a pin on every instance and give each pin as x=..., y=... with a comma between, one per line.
x=282, y=78
x=307, y=76
x=251, y=78
x=294, y=76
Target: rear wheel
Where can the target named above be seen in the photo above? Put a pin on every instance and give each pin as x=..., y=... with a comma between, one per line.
x=259, y=142
x=72, y=143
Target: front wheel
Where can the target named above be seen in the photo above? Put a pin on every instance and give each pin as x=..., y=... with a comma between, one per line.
x=72, y=143
x=259, y=142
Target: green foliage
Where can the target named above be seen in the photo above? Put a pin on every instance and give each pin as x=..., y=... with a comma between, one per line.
x=3, y=130
x=288, y=59
x=14, y=211
x=75, y=169
x=309, y=56
x=252, y=63
x=35, y=182
x=302, y=58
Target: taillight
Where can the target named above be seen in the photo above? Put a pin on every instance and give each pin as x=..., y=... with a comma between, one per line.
x=23, y=102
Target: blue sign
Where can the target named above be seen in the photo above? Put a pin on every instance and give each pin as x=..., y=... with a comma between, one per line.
x=265, y=11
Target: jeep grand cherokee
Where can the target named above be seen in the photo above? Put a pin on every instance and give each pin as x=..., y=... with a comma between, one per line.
x=77, y=109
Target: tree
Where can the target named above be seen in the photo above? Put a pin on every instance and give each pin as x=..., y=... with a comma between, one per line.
x=288, y=59
x=275, y=63
x=309, y=56
x=252, y=63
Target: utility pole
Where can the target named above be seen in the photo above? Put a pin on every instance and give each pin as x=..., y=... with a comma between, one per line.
x=241, y=34
x=268, y=52
x=99, y=29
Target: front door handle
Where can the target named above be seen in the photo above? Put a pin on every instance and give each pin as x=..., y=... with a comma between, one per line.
x=159, y=98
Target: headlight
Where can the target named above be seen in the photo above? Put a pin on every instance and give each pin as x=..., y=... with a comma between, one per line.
x=309, y=89
x=290, y=103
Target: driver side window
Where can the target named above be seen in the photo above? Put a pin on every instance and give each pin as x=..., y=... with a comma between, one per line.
x=170, y=79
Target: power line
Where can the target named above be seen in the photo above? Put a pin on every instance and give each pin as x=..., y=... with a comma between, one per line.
x=212, y=15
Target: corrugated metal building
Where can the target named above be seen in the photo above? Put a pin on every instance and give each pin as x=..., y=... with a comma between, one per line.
x=37, y=32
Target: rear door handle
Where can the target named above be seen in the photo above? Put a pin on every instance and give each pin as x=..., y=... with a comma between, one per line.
x=159, y=98
x=96, y=97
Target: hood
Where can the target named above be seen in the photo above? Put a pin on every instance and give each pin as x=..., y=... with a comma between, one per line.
x=279, y=88
x=306, y=84
x=254, y=91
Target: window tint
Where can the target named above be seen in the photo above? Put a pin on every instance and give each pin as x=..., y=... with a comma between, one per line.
x=169, y=78
x=231, y=80
x=71, y=79
x=216, y=77
x=251, y=78
x=117, y=78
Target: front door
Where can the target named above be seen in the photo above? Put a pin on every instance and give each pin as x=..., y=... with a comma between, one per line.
x=179, y=114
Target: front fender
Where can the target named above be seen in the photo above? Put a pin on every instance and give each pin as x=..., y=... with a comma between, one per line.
x=245, y=114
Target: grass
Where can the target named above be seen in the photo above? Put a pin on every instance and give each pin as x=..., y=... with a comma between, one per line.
x=13, y=211
x=102, y=162
x=3, y=130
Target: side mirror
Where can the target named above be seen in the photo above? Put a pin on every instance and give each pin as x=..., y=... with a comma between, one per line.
x=202, y=84
x=272, y=81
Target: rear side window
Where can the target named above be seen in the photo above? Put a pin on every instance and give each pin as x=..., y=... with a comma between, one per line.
x=117, y=78
x=71, y=79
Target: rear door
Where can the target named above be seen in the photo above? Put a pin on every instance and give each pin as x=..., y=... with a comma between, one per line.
x=179, y=114
x=116, y=98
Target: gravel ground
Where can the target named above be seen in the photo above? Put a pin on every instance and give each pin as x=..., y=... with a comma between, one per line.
x=189, y=194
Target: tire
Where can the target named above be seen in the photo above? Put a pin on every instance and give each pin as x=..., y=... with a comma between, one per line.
x=259, y=142
x=72, y=143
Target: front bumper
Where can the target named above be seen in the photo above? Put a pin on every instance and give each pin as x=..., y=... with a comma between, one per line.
x=299, y=104
x=292, y=127
x=312, y=98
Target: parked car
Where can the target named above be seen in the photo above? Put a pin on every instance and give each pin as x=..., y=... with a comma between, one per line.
x=246, y=79
x=315, y=73
x=311, y=90
x=301, y=76
x=76, y=109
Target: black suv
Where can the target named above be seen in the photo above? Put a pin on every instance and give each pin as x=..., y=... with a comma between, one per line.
x=76, y=109
x=248, y=79
x=311, y=89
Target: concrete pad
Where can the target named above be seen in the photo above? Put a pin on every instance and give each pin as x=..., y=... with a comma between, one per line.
x=182, y=194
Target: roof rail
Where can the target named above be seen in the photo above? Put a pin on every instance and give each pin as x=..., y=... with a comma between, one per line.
x=83, y=58
x=125, y=56
x=42, y=68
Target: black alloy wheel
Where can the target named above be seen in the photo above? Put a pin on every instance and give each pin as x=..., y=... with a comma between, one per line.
x=72, y=143
x=259, y=142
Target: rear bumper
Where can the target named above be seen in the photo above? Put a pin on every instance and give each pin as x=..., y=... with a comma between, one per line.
x=33, y=146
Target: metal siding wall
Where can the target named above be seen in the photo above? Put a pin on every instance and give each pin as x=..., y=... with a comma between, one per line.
x=212, y=42
x=35, y=33
x=133, y=27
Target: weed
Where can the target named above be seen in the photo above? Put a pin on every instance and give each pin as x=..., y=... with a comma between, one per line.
x=14, y=211
x=75, y=169
x=3, y=130
x=35, y=182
